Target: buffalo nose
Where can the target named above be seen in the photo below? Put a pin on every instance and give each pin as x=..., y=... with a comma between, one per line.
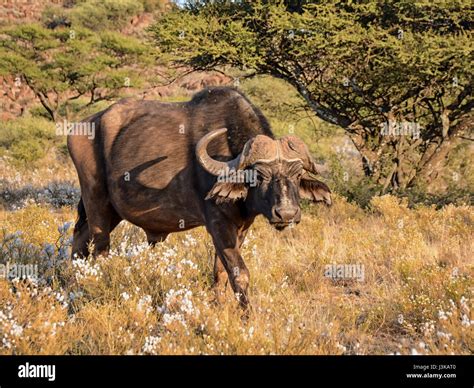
x=285, y=214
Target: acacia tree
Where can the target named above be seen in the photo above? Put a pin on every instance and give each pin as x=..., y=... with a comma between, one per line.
x=64, y=64
x=395, y=74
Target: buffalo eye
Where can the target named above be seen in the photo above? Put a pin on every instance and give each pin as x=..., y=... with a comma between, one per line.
x=262, y=176
x=295, y=172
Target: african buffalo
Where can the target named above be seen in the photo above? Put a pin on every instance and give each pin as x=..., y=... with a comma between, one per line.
x=169, y=167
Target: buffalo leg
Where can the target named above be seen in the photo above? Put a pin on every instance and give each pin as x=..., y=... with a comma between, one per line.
x=101, y=220
x=226, y=241
x=154, y=238
x=80, y=239
x=221, y=279
x=100, y=227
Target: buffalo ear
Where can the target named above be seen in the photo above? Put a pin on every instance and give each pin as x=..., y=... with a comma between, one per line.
x=227, y=192
x=315, y=191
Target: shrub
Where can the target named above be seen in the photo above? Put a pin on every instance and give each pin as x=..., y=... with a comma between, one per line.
x=26, y=139
x=105, y=14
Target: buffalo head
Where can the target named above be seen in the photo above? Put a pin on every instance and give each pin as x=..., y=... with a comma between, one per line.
x=271, y=175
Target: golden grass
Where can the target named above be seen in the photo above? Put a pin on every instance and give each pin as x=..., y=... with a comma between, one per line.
x=416, y=296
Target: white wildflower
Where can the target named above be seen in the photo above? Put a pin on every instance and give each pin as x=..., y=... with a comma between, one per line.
x=125, y=296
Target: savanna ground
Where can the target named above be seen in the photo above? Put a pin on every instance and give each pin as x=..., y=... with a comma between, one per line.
x=415, y=298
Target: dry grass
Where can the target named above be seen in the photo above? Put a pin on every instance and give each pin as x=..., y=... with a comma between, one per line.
x=416, y=296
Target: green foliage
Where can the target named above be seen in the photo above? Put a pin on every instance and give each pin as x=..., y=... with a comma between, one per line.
x=460, y=169
x=359, y=65
x=285, y=108
x=54, y=15
x=154, y=5
x=99, y=15
x=104, y=14
x=26, y=139
x=78, y=108
x=63, y=65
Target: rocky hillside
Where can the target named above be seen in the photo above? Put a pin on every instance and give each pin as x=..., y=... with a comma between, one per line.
x=16, y=11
